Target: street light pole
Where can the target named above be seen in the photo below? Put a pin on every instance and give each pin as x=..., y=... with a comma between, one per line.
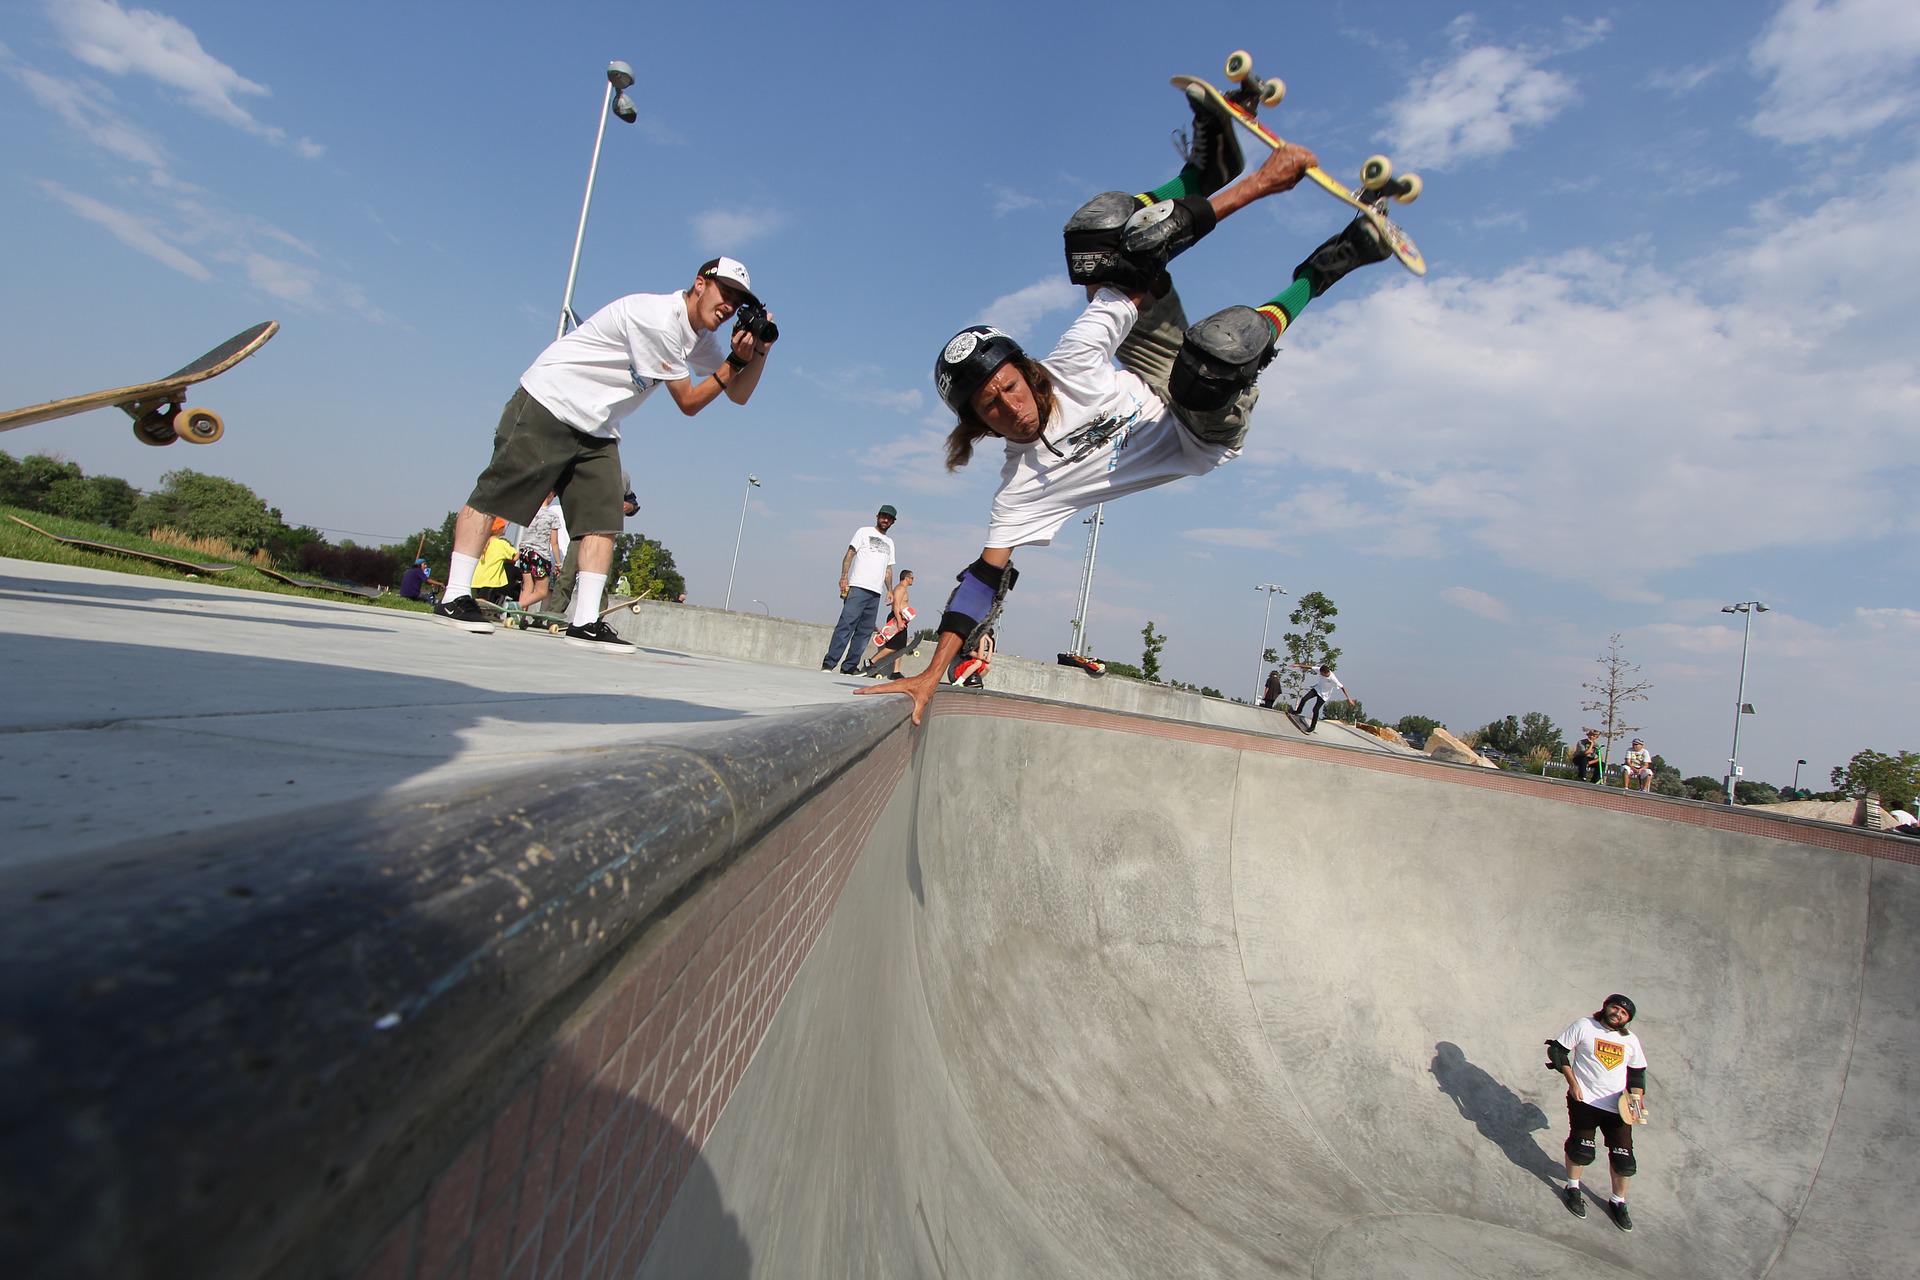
x=1796, y=773
x=1093, y=522
x=1748, y=607
x=1260, y=665
x=619, y=79
x=753, y=482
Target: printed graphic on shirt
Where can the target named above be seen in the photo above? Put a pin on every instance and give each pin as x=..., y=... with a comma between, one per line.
x=1609, y=1053
x=640, y=380
x=1096, y=435
x=878, y=546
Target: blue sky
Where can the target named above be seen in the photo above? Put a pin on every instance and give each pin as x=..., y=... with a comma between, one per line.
x=1664, y=358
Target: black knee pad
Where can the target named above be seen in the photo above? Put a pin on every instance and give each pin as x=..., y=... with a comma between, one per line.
x=1621, y=1161
x=1165, y=229
x=1095, y=238
x=1220, y=358
x=1580, y=1151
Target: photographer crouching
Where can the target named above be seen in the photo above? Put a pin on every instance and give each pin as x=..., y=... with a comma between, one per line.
x=560, y=432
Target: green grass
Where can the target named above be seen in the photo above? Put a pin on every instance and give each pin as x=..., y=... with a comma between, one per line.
x=24, y=544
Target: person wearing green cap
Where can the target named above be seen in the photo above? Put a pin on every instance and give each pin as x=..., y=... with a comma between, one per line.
x=866, y=574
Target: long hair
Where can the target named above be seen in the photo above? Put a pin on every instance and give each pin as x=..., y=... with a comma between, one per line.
x=965, y=432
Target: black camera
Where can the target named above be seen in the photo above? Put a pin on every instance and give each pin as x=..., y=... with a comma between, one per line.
x=754, y=319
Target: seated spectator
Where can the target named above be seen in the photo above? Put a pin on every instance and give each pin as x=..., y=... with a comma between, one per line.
x=415, y=581
x=1639, y=766
x=1586, y=757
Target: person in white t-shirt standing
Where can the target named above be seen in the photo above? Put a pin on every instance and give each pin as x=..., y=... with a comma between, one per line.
x=1320, y=691
x=866, y=574
x=1602, y=1061
x=560, y=430
x=1078, y=431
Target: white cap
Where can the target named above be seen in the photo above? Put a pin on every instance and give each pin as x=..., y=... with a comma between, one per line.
x=734, y=272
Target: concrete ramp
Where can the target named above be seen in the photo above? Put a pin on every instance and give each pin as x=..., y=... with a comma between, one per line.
x=1108, y=996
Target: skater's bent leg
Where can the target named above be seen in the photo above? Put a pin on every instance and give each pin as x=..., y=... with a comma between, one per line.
x=1151, y=347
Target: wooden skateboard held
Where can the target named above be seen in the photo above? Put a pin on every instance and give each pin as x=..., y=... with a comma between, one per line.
x=1377, y=181
x=157, y=409
x=1633, y=1108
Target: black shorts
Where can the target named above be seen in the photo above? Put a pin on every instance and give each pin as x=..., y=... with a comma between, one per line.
x=534, y=454
x=1583, y=1119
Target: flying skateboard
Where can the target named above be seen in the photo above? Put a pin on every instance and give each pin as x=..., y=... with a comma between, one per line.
x=185, y=566
x=1377, y=181
x=159, y=417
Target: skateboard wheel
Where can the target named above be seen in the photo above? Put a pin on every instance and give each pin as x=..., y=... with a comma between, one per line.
x=1272, y=91
x=199, y=426
x=1239, y=65
x=1410, y=188
x=1375, y=173
x=155, y=428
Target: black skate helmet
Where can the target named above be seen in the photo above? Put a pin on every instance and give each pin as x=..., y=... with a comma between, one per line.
x=971, y=357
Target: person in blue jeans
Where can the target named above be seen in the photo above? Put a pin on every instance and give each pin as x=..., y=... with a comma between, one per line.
x=866, y=575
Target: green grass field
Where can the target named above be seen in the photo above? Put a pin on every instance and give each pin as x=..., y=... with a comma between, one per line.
x=19, y=543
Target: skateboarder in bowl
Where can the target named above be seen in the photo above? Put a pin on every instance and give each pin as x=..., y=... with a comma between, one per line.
x=1077, y=430
x=1602, y=1062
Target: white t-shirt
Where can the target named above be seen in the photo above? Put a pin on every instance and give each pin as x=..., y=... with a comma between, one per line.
x=1601, y=1057
x=1326, y=686
x=872, y=557
x=1639, y=758
x=1109, y=435
x=548, y=519
x=600, y=373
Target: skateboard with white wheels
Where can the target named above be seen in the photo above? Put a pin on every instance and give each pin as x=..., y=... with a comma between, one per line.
x=1378, y=184
x=1092, y=666
x=1633, y=1108
x=157, y=408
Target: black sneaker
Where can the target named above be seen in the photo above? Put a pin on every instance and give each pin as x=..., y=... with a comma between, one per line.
x=1576, y=1202
x=1356, y=245
x=598, y=635
x=973, y=682
x=1214, y=153
x=465, y=613
x=1617, y=1210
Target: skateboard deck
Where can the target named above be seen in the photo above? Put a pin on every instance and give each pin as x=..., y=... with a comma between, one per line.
x=159, y=417
x=1378, y=182
x=1633, y=1108
x=150, y=557
x=1299, y=721
x=514, y=618
x=1092, y=666
x=321, y=584
x=891, y=627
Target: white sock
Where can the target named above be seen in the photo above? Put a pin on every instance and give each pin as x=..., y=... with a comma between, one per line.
x=460, y=576
x=587, y=590
x=1619, y=1199
x=1573, y=1185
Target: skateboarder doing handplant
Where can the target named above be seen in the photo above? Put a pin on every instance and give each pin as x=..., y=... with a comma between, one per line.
x=1602, y=1062
x=1079, y=431
x=561, y=429
x=1320, y=691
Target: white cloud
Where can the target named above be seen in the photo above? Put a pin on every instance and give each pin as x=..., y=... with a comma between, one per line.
x=1889, y=619
x=141, y=42
x=1681, y=81
x=1474, y=107
x=861, y=385
x=1588, y=402
x=1016, y=313
x=1477, y=602
x=87, y=108
x=1837, y=68
x=1006, y=200
x=728, y=230
x=130, y=229
x=292, y=284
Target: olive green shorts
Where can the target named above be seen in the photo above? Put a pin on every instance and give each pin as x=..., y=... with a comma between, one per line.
x=1150, y=351
x=534, y=454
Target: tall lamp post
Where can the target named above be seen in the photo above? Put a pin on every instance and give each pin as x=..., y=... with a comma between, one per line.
x=619, y=80
x=753, y=482
x=1796, y=773
x=1260, y=665
x=1740, y=707
x=1093, y=523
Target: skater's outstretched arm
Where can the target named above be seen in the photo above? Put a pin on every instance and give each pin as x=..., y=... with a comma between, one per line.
x=1281, y=171
x=921, y=687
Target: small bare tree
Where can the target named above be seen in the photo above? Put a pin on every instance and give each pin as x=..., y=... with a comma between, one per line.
x=1615, y=688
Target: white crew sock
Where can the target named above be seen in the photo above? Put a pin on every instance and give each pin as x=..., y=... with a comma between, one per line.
x=460, y=576
x=1573, y=1185
x=587, y=590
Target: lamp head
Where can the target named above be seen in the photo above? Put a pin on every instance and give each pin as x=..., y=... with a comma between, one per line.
x=620, y=76
x=1758, y=607
x=624, y=108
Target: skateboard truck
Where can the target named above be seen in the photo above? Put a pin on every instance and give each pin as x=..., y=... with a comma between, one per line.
x=1251, y=92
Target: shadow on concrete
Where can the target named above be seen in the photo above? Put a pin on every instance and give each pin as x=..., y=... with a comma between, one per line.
x=1503, y=1117
x=141, y=587
x=122, y=606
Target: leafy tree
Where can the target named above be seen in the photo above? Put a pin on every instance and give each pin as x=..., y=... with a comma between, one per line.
x=1894, y=778
x=1745, y=792
x=204, y=506
x=1343, y=711
x=650, y=570
x=1150, y=658
x=1417, y=726
x=1666, y=778
x=27, y=482
x=1521, y=737
x=1701, y=787
x=106, y=500
x=1613, y=691
x=434, y=544
x=1126, y=669
x=1313, y=614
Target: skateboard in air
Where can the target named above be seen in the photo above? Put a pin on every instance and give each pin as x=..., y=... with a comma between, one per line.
x=1377, y=181
x=159, y=415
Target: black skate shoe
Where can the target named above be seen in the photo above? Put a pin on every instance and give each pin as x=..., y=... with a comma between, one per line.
x=1357, y=245
x=1575, y=1200
x=465, y=613
x=1617, y=1210
x=598, y=636
x=1214, y=153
